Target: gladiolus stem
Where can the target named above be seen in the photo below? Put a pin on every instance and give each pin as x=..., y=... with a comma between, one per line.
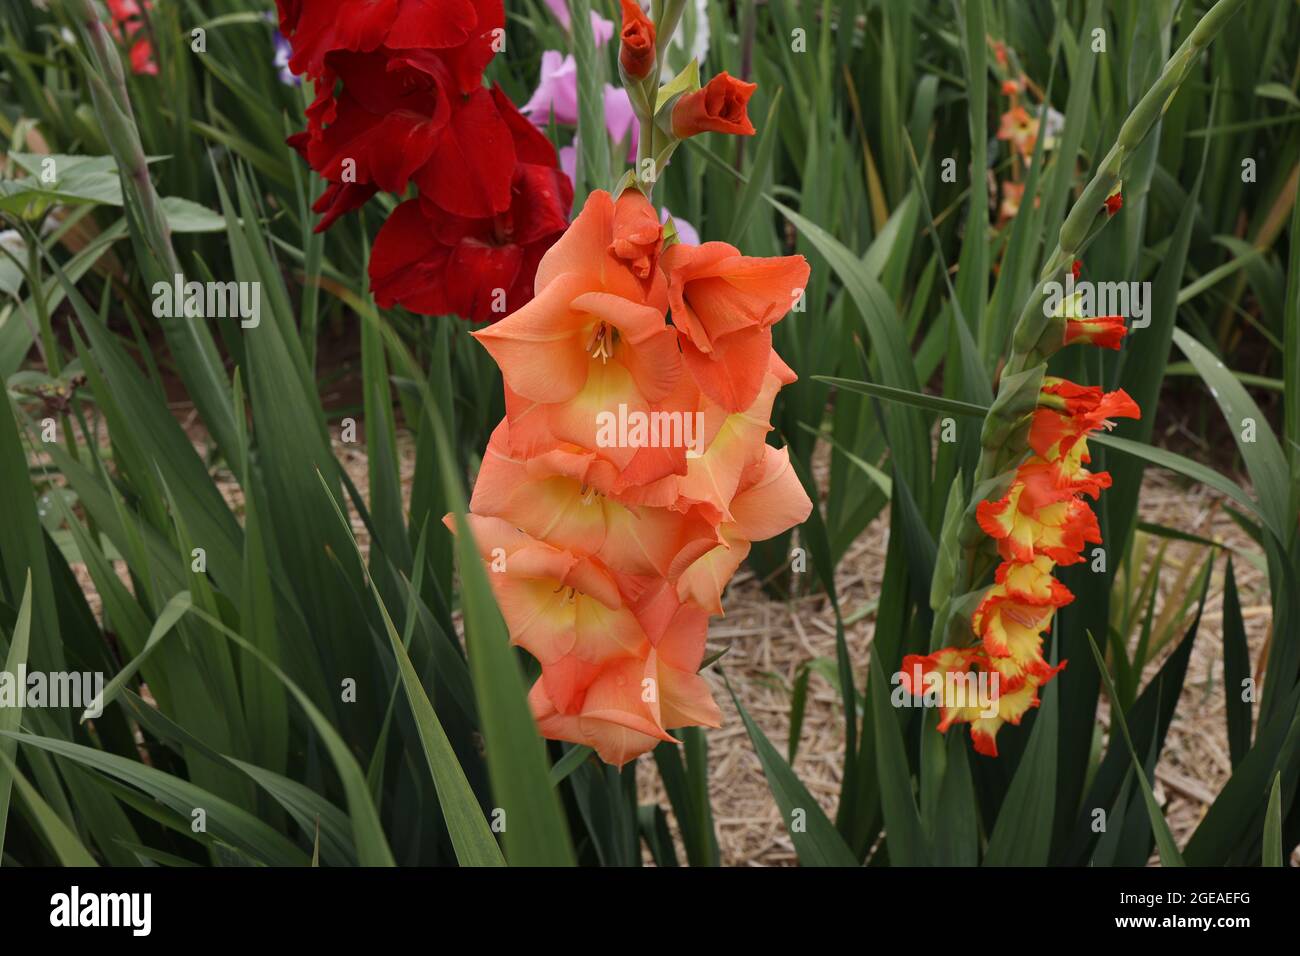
x=1075, y=229
x=1077, y=225
x=108, y=89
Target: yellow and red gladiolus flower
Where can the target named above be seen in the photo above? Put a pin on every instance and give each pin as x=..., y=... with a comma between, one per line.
x=1107, y=331
x=970, y=687
x=1069, y=326
x=1019, y=129
x=609, y=556
x=1067, y=414
x=1042, y=521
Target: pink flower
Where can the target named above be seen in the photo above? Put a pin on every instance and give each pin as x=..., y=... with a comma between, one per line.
x=556, y=93
x=602, y=28
x=620, y=119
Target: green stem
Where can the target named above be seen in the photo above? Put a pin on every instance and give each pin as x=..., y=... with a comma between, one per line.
x=108, y=89
x=1077, y=227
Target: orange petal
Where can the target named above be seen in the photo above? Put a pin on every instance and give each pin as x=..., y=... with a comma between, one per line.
x=774, y=503
x=585, y=250
x=541, y=348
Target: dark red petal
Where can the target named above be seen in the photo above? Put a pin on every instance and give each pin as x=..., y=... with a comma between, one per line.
x=386, y=151
x=325, y=26
x=473, y=163
x=408, y=265
x=467, y=62
x=289, y=12
x=531, y=144
x=432, y=24
x=543, y=198
x=339, y=199
x=481, y=276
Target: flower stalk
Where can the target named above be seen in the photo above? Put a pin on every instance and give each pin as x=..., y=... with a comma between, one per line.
x=1027, y=509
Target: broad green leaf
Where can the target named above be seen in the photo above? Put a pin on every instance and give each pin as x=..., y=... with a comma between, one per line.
x=11, y=717
x=904, y=832
x=175, y=609
x=65, y=844
x=814, y=836
x=1236, y=670
x=470, y=835
x=1273, y=824
x=1251, y=431
x=225, y=821
x=1169, y=855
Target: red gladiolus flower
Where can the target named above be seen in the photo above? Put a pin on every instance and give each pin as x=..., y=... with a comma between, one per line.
x=398, y=119
x=125, y=23
x=1108, y=331
x=434, y=263
x=1114, y=204
x=400, y=102
x=340, y=199
x=637, y=53
x=463, y=31
x=721, y=107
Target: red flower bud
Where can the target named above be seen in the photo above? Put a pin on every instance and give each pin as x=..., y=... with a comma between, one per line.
x=1114, y=204
x=721, y=107
x=637, y=53
x=1106, y=331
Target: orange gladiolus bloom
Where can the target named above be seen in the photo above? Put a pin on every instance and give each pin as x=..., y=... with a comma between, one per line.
x=769, y=500
x=610, y=554
x=724, y=305
x=565, y=609
x=566, y=512
x=1020, y=129
x=637, y=53
x=631, y=704
x=720, y=107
